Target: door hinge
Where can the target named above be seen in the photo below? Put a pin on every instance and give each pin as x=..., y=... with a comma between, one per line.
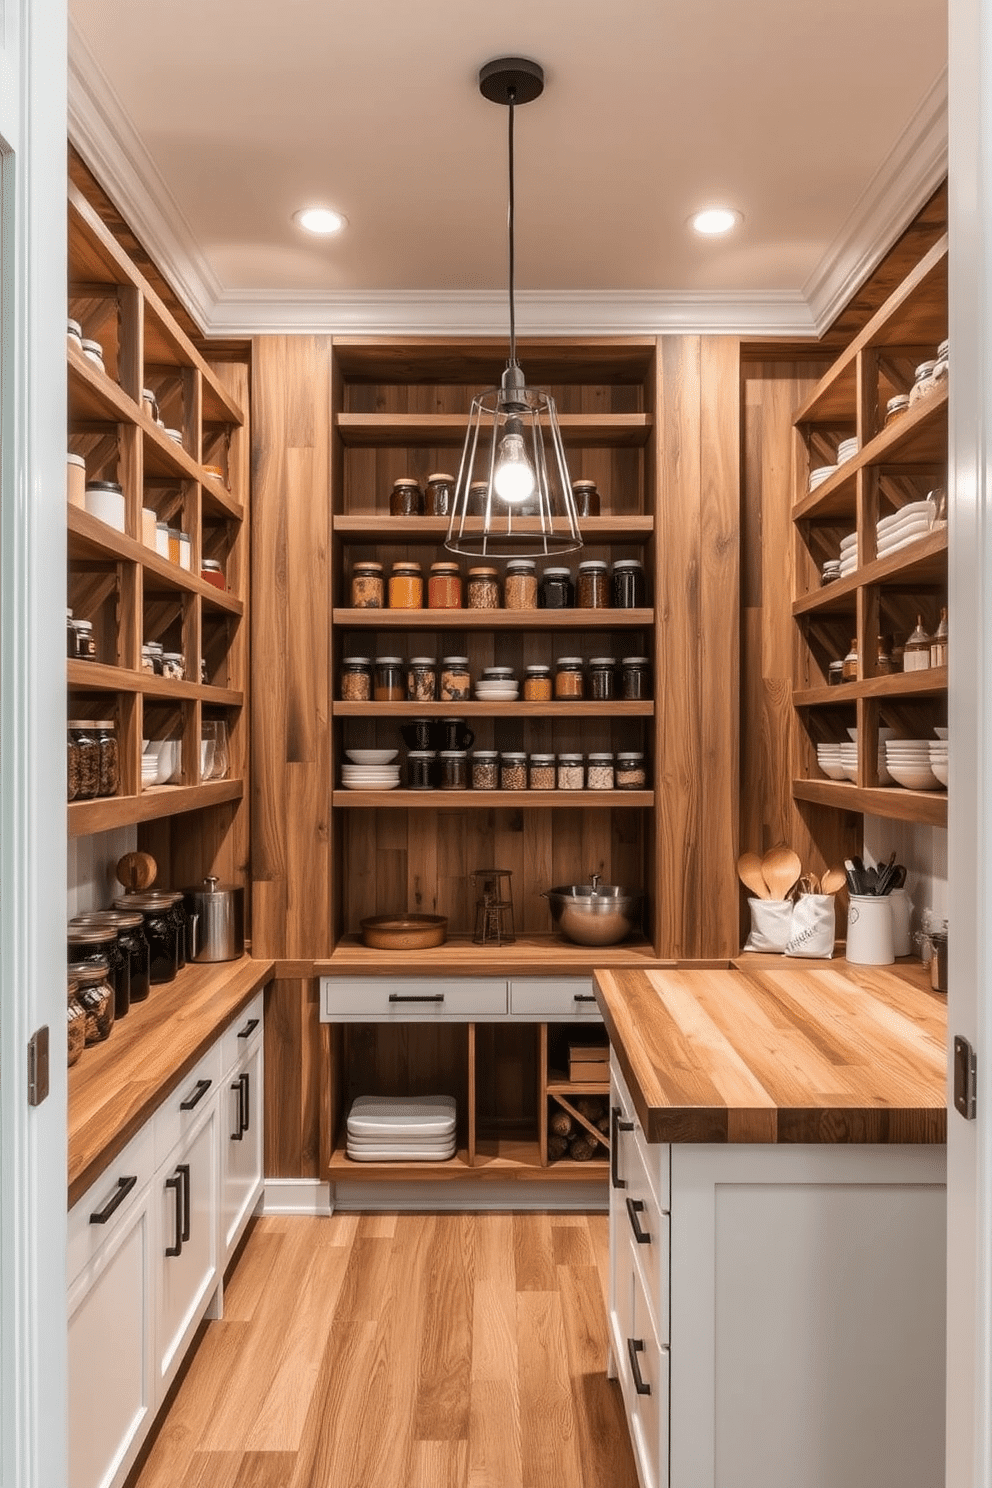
x=965, y=1078
x=38, y=1067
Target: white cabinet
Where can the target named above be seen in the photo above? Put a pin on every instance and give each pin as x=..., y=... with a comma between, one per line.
x=240, y=1104
x=187, y=1269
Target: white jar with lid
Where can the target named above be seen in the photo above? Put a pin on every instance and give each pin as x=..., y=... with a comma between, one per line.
x=93, y=352
x=105, y=499
x=75, y=479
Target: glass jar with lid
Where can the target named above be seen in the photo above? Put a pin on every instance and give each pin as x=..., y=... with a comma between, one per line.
x=406, y=498
x=916, y=651
x=87, y=756
x=96, y=998
x=635, y=678
x=520, y=585
x=541, y=772
x=421, y=680
x=571, y=772
x=420, y=767
x=406, y=587
x=174, y=906
x=71, y=642
x=538, y=686
x=587, y=503
x=161, y=933
x=71, y=766
x=454, y=769
x=456, y=680
x=851, y=667
x=835, y=673
x=440, y=495
x=938, y=642
x=483, y=589
x=444, y=589
x=174, y=665
x=212, y=573
x=368, y=588
x=356, y=679
x=592, y=586
x=478, y=498
x=513, y=770
x=602, y=678
x=923, y=382
x=390, y=679
x=557, y=589
x=630, y=772
x=90, y=937
x=130, y=927
x=85, y=643
x=485, y=769
x=105, y=731
x=75, y=1022
x=629, y=590
x=568, y=677
x=883, y=660
x=599, y=772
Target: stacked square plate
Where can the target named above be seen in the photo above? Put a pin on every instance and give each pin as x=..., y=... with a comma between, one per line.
x=905, y=526
x=388, y=1128
x=938, y=755
x=908, y=762
x=371, y=770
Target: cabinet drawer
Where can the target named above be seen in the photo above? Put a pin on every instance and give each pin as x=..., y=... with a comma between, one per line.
x=242, y=1038
x=412, y=999
x=180, y=1111
x=113, y=1194
x=656, y=1157
x=554, y=998
x=647, y=1407
x=646, y=1228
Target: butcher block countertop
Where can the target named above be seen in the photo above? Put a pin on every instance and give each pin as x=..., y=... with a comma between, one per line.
x=808, y=1052
x=116, y=1085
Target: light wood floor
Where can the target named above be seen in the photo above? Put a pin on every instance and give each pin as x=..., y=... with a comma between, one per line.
x=404, y=1351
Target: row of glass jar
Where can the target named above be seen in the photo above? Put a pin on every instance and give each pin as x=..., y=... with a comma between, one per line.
x=391, y=679
x=596, y=586
x=491, y=769
x=437, y=499
x=93, y=759
x=919, y=652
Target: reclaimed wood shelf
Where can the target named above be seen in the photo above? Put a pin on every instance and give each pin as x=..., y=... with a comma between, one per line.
x=921, y=565
x=891, y=801
x=458, y=800
x=435, y=430
x=105, y=813
x=94, y=676
x=92, y=541
x=370, y=526
x=929, y=682
x=490, y=619
x=519, y=708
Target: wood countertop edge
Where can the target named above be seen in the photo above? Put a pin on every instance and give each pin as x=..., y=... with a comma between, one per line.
x=234, y=991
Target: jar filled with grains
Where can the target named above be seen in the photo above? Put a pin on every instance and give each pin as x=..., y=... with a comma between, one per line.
x=602, y=678
x=568, y=677
x=421, y=680
x=513, y=771
x=478, y=498
x=629, y=592
x=557, y=589
x=356, y=679
x=537, y=684
x=444, y=589
x=390, y=679
x=368, y=587
x=88, y=759
x=406, y=587
x=72, y=766
x=520, y=587
x=456, y=680
x=406, y=498
x=110, y=766
x=592, y=590
x=420, y=766
x=485, y=769
x=571, y=774
x=635, y=678
x=96, y=998
x=440, y=495
x=454, y=769
x=587, y=502
x=483, y=589
x=599, y=772
x=541, y=772
x=76, y=1022
x=630, y=772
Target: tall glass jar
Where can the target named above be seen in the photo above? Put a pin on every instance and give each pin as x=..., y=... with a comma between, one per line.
x=483, y=589
x=390, y=679
x=520, y=586
x=368, y=588
x=568, y=677
x=96, y=997
x=635, y=678
x=406, y=587
x=406, y=498
x=629, y=590
x=602, y=678
x=557, y=589
x=91, y=939
x=110, y=759
x=421, y=680
x=160, y=932
x=444, y=589
x=440, y=495
x=356, y=679
x=592, y=591
x=87, y=747
x=130, y=928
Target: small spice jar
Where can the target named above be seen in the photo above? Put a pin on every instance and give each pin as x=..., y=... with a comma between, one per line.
x=105, y=500
x=592, y=587
x=541, y=772
x=85, y=644
x=916, y=652
x=406, y=498
x=212, y=573
x=485, y=769
x=75, y=1022
x=571, y=774
x=454, y=769
x=87, y=754
x=635, y=678
x=110, y=766
x=368, y=588
x=406, y=587
x=835, y=673
x=629, y=590
x=71, y=640
x=883, y=660
x=557, y=589
x=93, y=351
x=444, y=588
x=421, y=680
x=390, y=679
x=356, y=679
x=537, y=684
x=513, y=771
x=586, y=496
x=602, y=678
x=456, y=680
x=96, y=998
x=568, y=677
x=174, y=665
x=482, y=589
x=440, y=495
x=850, y=672
x=896, y=406
x=938, y=642
x=630, y=771
x=520, y=586
x=420, y=767
x=599, y=772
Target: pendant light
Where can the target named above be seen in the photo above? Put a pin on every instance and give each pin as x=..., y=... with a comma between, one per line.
x=513, y=497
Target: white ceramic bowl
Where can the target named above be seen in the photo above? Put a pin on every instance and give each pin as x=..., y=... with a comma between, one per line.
x=884, y=734
x=913, y=777
x=851, y=769
x=941, y=733
x=833, y=769
x=939, y=768
x=371, y=756
x=907, y=746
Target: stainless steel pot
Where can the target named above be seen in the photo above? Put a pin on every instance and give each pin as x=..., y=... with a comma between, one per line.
x=217, y=921
x=593, y=914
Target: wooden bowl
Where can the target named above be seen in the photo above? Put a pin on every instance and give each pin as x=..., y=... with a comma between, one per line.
x=411, y=932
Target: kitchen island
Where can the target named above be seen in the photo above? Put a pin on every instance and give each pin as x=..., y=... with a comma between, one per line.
x=777, y=1214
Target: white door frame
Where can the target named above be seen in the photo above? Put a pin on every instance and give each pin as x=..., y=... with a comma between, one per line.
x=32, y=714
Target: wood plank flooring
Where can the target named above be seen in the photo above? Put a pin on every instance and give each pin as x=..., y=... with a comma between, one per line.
x=404, y=1351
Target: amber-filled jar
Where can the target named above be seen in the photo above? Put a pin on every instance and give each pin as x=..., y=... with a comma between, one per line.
x=212, y=573
x=586, y=496
x=368, y=587
x=557, y=589
x=635, y=678
x=444, y=588
x=406, y=587
x=390, y=679
x=628, y=584
x=592, y=590
x=440, y=495
x=568, y=677
x=454, y=769
x=602, y=678
x=537, y=684
x=520, y=586
x=356, y=679
x=483, y=589
x=406, y=498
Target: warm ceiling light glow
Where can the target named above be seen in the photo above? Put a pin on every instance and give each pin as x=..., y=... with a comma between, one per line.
x=715, y=220
x=320, y=220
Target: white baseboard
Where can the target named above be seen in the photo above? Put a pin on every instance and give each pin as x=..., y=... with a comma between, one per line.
x=485, y=1194
x=297, y=1196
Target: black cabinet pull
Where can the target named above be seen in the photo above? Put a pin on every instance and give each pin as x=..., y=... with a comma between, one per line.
x=176, y=1182
x=617, y=1126
x=246, y=1082
x=249, y=1028
x=635, y=1346
x=124, y=1187
x=421, y=997
x=183, y=1170
x=634, y=1208
x=239, y=1087
x=584, y=997
x=202, y=1086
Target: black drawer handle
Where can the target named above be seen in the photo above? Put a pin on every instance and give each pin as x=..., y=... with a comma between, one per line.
x=239, y=1088
x=421, y=997
x=249, y=1028
x=617, y=1126
x=202, y=1086
x=183, y=1170
x=635, y=1346
x=584, y=997
x=124, y=1187
x=634, y=1208
x=246, y=1083
x=176, y=1182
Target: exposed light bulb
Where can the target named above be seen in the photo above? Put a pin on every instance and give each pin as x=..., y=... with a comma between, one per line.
x=513, y=478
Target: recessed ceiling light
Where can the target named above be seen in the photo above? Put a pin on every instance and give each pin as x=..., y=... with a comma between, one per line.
x=320, y=220
x=715, y=220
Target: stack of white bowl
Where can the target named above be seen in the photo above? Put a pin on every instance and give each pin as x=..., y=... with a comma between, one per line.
x=497, y=685
x=908, y=762
x=828, y=757
x=938, y=755
x=370, y=770
x=847, y=449
x=848, y=554
x=819, y=475
x=905, y=526
x=840, y=761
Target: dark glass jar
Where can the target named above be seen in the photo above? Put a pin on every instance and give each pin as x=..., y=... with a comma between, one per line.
x=420, y=767
x=635, y=674
x=160, y=932
x=602, y=678
x=629, y=592
x=85, y=643
x=87, y=941
x=586, y=496
x=95, y=996
x=130, y=927
x=356, y=679
x=175, y=906
x=71, y=643
x=406, y=499
x=454, y=769
x=440, y=495
x=592, y=590
x=557, y=589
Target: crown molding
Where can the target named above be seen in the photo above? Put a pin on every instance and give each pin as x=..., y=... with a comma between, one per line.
x=906, y=179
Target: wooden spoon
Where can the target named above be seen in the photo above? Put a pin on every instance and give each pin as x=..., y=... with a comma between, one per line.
x=751, y=876
x=781, y=868
x=833, y=880
x=136, y=871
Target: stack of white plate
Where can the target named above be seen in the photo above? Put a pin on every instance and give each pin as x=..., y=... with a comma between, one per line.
x=370, y=770
x=847, y=449
x=828, y=757
x=388, y=1128
x=938, y=755
x=908, y=762
x=819, y=475
x=848, y=554
x=905, y=526
x=497, y=692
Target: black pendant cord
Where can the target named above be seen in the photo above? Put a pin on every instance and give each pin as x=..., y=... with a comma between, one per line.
x=512, y=93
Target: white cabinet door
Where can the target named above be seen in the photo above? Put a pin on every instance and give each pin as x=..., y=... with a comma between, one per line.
x=111, y=1366
x=241, y=1143
x=187, y=1198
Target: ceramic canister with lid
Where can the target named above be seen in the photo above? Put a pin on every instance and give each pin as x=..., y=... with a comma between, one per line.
x=105, y=499
x=216, y=914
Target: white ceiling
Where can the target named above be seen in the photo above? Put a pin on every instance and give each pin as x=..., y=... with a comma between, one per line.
x=212, y=121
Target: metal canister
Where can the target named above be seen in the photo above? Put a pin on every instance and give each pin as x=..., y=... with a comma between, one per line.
x=217, y=920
